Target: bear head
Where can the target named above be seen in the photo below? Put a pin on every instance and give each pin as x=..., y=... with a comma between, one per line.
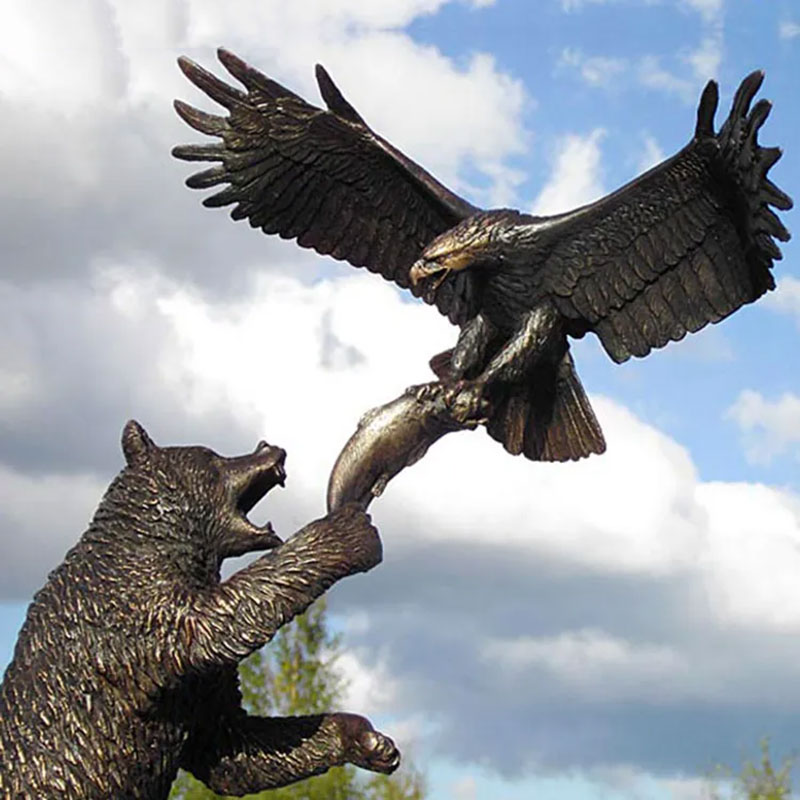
x=199, y=496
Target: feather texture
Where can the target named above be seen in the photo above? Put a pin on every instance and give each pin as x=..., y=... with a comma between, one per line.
x=321, y=177
x=685, y=244
x=548, y=418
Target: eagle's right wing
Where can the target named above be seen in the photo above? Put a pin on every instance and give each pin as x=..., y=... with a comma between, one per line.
x=321, y=177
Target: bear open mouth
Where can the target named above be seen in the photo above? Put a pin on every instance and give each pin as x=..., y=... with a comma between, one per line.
x=263, y=478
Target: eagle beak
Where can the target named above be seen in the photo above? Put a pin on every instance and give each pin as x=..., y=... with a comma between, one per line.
x=422, y=269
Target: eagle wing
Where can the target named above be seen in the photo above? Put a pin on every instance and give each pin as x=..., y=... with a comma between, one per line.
x=685, y=244
x=323, y=178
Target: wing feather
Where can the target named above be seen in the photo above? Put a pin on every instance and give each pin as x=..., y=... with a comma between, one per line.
x=322, y=177
x=303, y=216
x=682, y=308
x=685, y=244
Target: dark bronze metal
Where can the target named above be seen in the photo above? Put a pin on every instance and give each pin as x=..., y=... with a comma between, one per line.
x=126, y=666
x=394, y=436
x=685, y=244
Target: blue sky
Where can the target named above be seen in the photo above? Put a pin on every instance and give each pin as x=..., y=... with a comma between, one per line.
x=609, y=629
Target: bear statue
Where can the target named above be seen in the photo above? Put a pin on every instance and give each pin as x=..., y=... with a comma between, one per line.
x=126, y=666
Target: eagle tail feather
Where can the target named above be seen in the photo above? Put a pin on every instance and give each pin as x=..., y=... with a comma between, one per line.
x=548, y=419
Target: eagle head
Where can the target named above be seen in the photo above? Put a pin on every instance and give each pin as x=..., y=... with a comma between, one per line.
x=478, y=241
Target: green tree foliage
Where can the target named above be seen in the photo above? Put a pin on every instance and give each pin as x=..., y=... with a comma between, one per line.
x=296, y=674
x=761, y=780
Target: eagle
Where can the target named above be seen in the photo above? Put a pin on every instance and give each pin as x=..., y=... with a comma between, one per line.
x=686, y=243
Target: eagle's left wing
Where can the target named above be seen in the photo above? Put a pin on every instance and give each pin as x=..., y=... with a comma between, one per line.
x=685, y=244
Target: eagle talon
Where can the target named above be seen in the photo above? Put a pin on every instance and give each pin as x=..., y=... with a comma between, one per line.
x=466, y=402
x=423, y=392
x=452, y=391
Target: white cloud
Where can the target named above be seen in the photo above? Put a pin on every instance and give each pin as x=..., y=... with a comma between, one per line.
x=577, y=5
x=502, y=189
x=595, y=70
x=711, y=10
x=575, y=178
x=789, y=29
x=649, y=70
x=654, y=75
x=769, y=428
x=65, y=57
x=369, y=688
x=590, y=663
x=314, y=16
x=751, y=555
x=786, y=297
x=604, y=532
x=612, y=72
x=705, y=60
x=221, y=345
x=82, y=116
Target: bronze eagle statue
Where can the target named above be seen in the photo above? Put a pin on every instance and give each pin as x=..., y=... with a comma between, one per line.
x=684, y=244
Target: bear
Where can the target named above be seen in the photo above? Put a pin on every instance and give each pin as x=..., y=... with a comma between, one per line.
x=126, y=666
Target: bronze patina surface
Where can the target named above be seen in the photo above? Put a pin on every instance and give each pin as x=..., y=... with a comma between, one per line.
x=390, y=438
x=685, y=244
x=126, y=666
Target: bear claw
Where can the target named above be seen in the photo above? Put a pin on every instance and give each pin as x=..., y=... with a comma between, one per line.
x=368, y=748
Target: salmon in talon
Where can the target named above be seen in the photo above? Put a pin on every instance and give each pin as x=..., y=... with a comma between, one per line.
x=388, y=439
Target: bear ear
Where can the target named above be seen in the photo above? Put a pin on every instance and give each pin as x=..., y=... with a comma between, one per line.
x=136, y=444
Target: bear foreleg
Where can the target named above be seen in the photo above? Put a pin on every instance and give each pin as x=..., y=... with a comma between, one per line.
x=240, y=615
x=252, y=753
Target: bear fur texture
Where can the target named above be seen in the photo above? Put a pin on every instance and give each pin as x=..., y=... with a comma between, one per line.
x=126, y=666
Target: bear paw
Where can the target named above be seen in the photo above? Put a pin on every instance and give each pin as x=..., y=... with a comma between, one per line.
x=354, y=529
x=365, y=747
